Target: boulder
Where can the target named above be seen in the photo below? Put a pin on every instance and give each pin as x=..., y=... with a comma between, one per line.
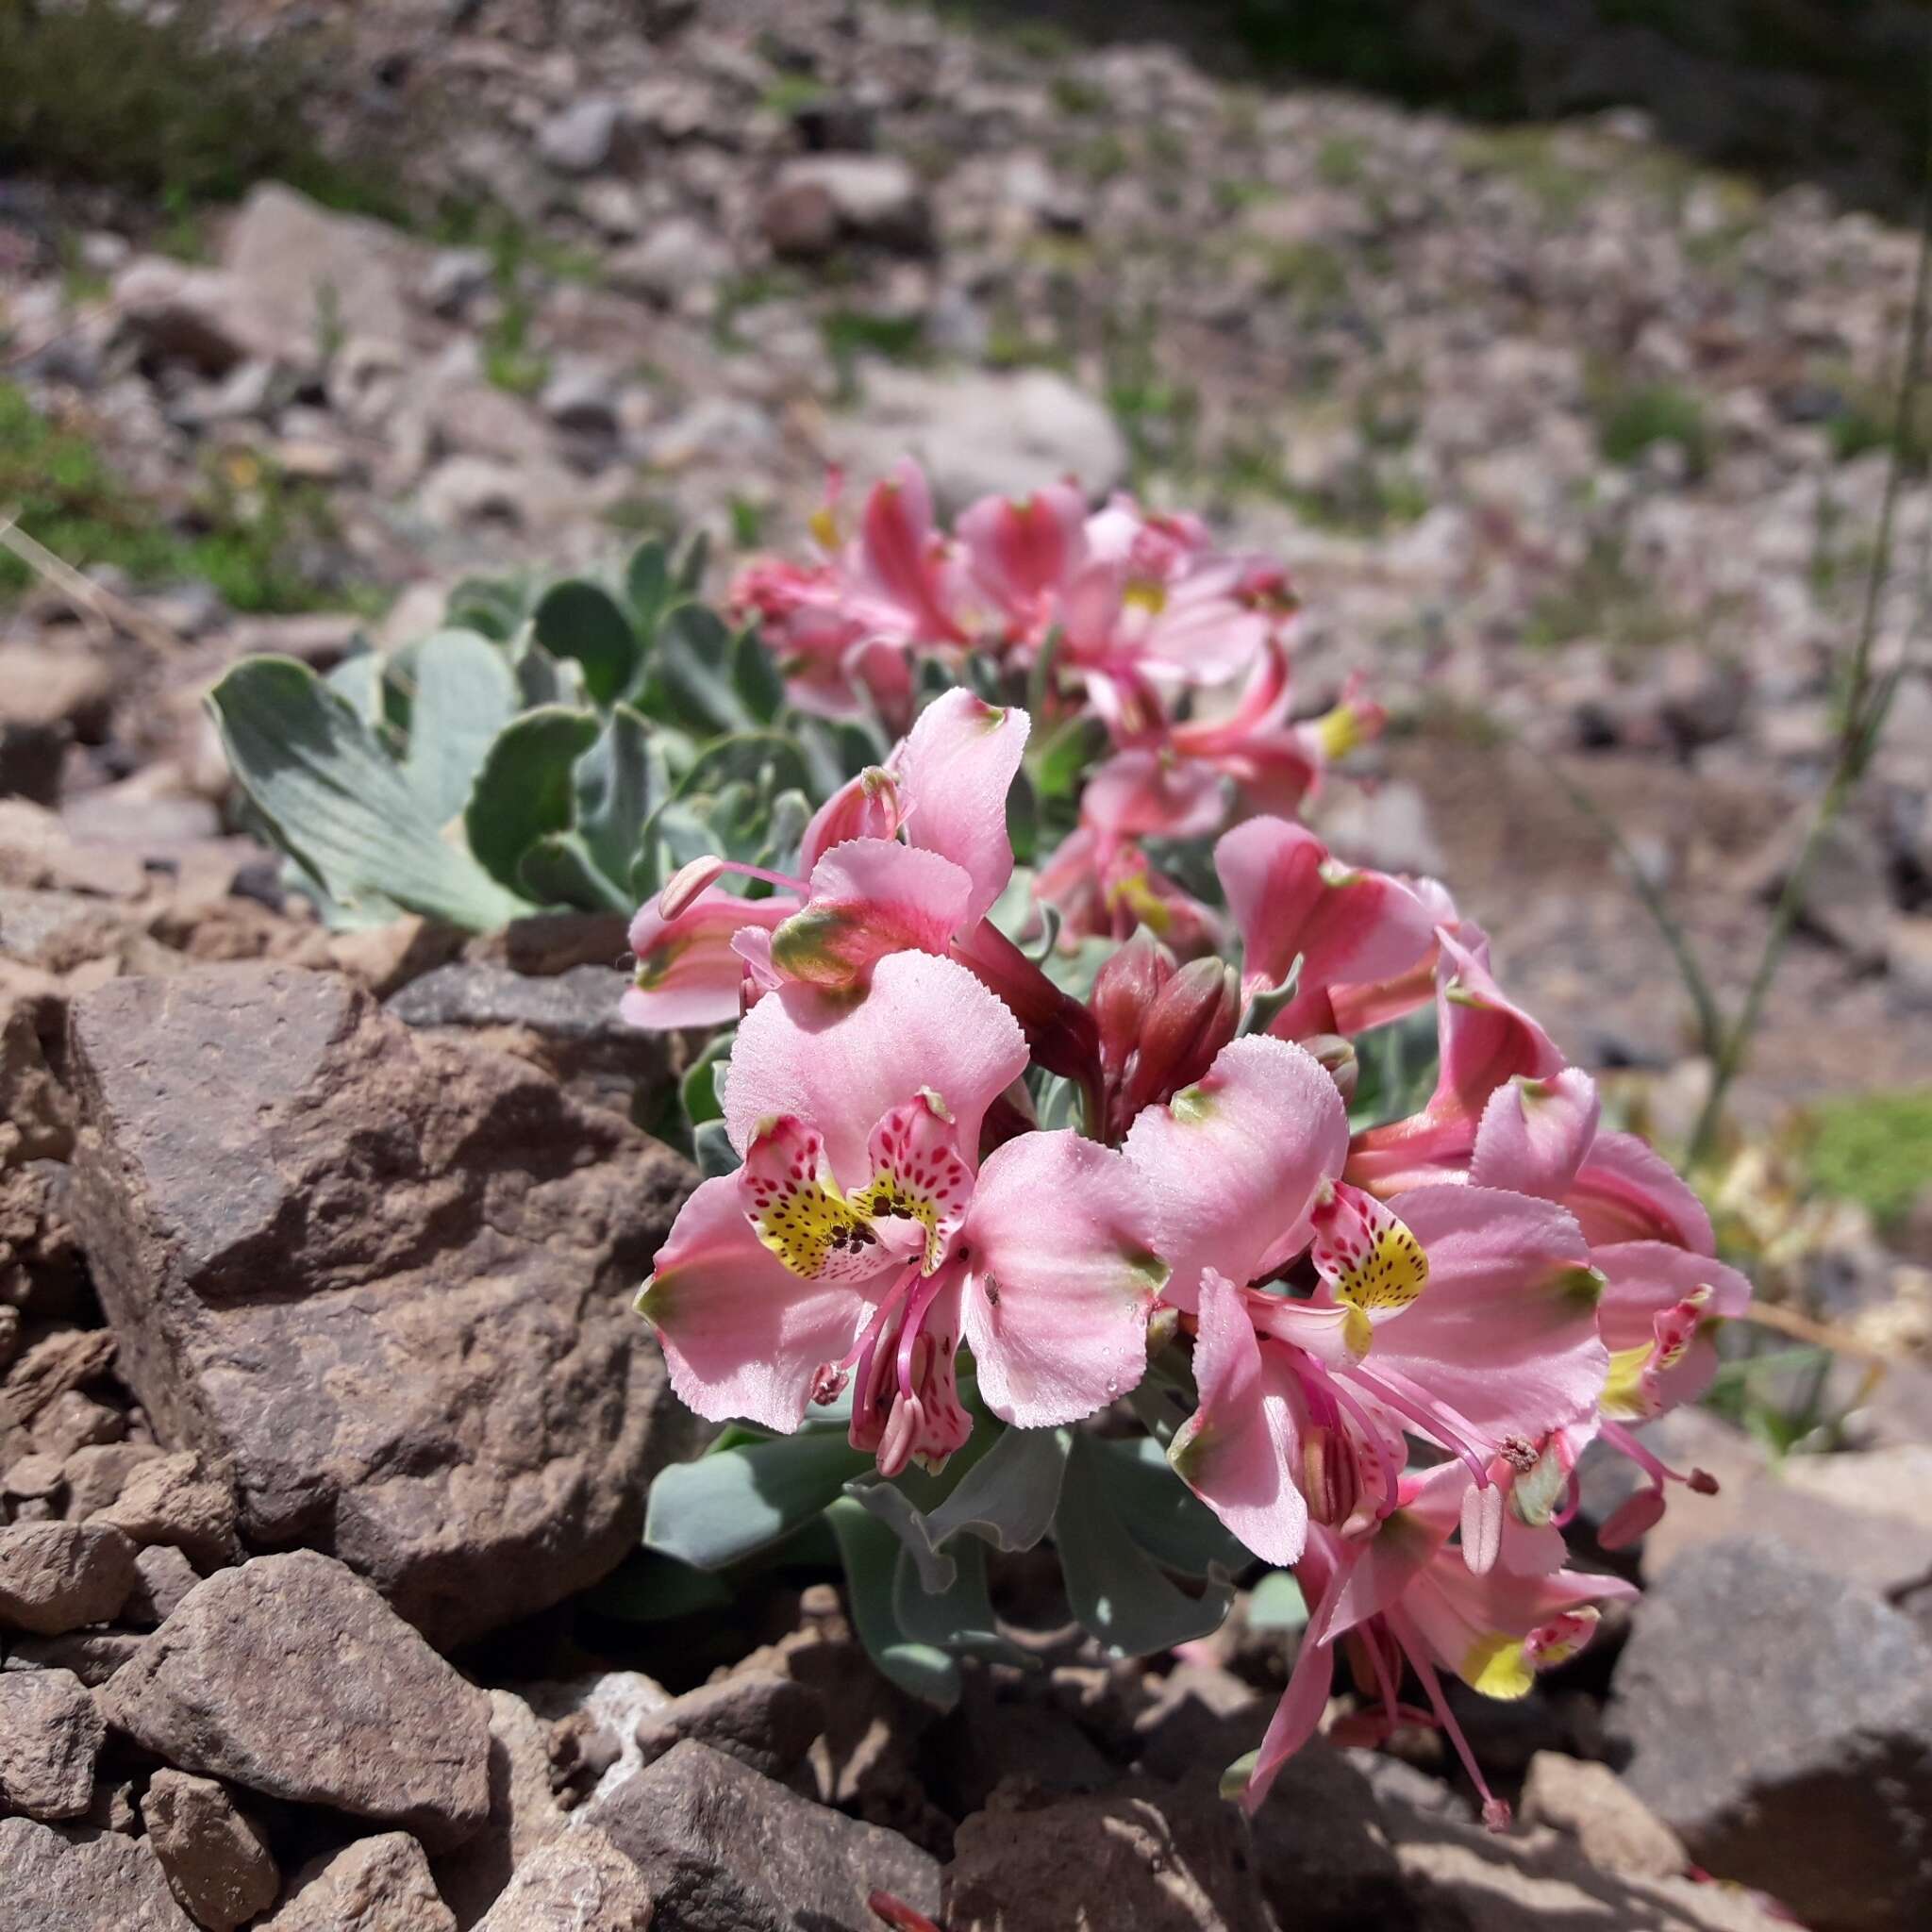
x=163, y=1577
x=583, y=136
x=720, y=1847
x=980, y=434
x=50, y=1738
x=374, y=1885
x=1779, y=1717
x=300, y=274
x=765, y=1722
x=216, y=1858
x=1157, y=1858
x=292, y=1676
x=581, y=1883
x=99, y=1882
x=92, y=1656
x=382, y=1278
x=59, y=1576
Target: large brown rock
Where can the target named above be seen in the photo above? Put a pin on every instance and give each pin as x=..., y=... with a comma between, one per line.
x=50, y=1738
x=98, y=1882
x=58, y=1577
x=382, y=1278
x=216, y=1858
x=292, y=1676
x=721, y=1849
x=582, y=1883
x=375, y=1885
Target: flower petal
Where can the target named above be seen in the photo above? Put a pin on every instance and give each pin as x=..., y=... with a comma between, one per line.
x=870, y=897
x=955, y=770
x=1235, y=1452
x=1535, y=1134
x=1060, y=1244
x=842, y=1063
x=743, y=1337
x=1234, y=1161
x=1505, y=1332
x=795, y=1208
x=687, y=973
x=1625, y=1191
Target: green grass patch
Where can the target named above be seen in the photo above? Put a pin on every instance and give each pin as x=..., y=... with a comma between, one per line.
x=160, y=105
x=1872, y=1148
x=248, y=534
x=1633, y=417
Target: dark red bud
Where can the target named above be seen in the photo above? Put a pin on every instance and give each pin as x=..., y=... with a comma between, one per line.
x=1060, y=1032
x=1337, y=1055
x=1194, y=1017
x=1123, y=996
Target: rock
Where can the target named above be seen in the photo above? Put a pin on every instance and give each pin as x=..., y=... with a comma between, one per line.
x=719, y=1846
x=1847, y=893
x=101, y=1883
x=1161, y=1858
x=92, y=1656
x=1321, y=1845
x=59, y=1576
x=1816, y=1794
x=583, y=136
x=50, y=1738
x=181, y=315
x=162, y=1577
x=32, y=760
x=612, y=1706
x=874, y=198
x=989, y=1740
x=523, y=1812
x=216, y=1858
x=36, y=1478
x=1388, y=828
x=49, y=685
x=375, y=1885
x=1613, y=1828
x=300, y=273
x=384, y=1278
x=73, y=1422
x=983, y=434
x=97, y=1474
x=292, y=1676
x=674, y=262
x=175, y=1500
x=582, y=1883
x=62, y=1362
x=1908, y=961
x=765, y=1722
x=581, y=398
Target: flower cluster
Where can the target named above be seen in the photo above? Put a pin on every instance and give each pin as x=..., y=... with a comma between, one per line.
x=1394, y=1341
x=1136, y=619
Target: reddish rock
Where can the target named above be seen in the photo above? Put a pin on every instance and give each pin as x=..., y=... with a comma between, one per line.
x=216, y=1858
x=50, y=1738
x=59, y=1576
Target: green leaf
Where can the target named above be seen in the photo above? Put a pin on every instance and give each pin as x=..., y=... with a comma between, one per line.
x=692, y=561
x=701, y=1091
x=616, y=781
x=712, y=1151
x=495, y=607
x=1162, y=1514
x=358, y=679
x=1277, y=1603
x=1118, y=1591
x=581, y=620
x=873, y=1558
x=1063, y=759
x=527, y=786
x=339, y=804
x=647, y=583
x=958, y=1620
x=690, y=682
x=542, y=679
x=734, y=1501
x=557, y=870
x=1009, y=1496
x=755, y=678
x=766, y=758
x=651, y=1588
x=466, y=693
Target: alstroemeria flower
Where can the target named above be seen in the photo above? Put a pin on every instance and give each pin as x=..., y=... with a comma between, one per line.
x=1467, y=1315
x=1351, y=928
x=688, y=972
x=863, y=1236
x=1405, y=1595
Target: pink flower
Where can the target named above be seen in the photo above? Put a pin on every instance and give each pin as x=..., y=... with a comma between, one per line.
x=1467, y=1315
x=862, y=1236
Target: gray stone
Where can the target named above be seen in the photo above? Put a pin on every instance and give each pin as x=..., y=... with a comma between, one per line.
x=582, y=1883
x=1614, y=1828
x=216, y=1858
x=162, y=1577
x=1779, y=1718
x=50, y=1738
x=983, y=434
x=301, y=273
x=59, y=1576
x=583, y=136
x=874, y=198
x=765, y=1722
x=375, y=1885
x=676, y=258
x=612, y=1707
x=721, y=1849
x=383, y=1278
x=292, y=1676
x=94, y=1883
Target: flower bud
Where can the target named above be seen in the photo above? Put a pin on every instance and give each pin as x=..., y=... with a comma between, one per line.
x=1192, y=1018
x=1337, y=1055
x=1060, y=1032
x=1123, y=996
